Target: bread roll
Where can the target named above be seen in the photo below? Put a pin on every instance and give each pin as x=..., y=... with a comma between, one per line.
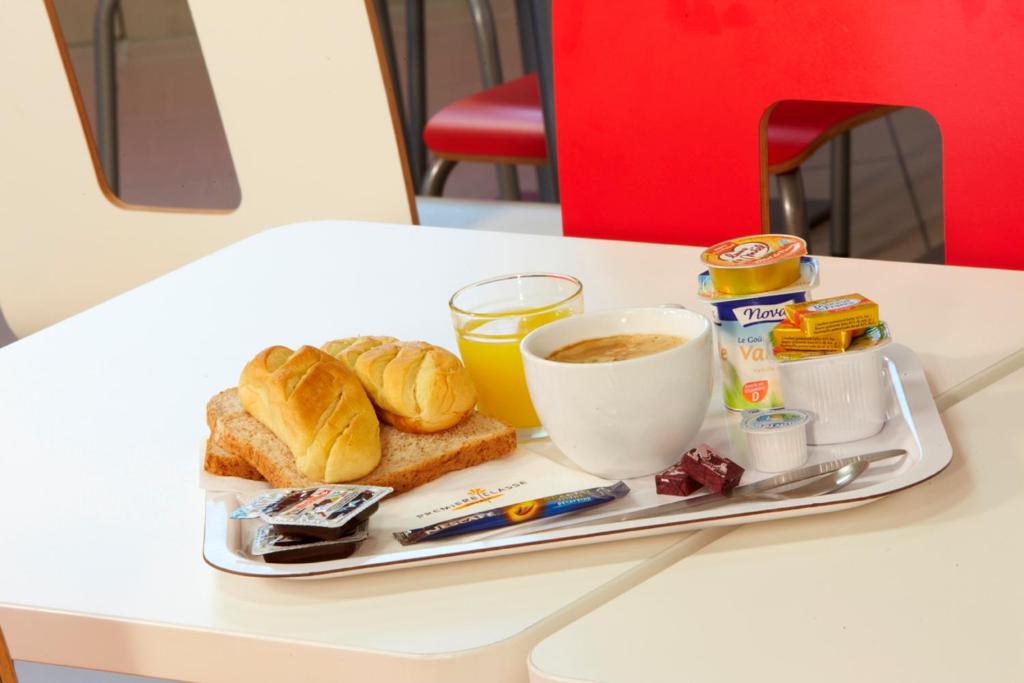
x=348, y=350
x=317, y=407
x=407, y=460
x=417, y=387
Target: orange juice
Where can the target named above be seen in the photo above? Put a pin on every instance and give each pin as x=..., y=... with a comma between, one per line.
x=490, y=351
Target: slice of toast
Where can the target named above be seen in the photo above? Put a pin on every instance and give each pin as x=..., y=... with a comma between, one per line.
x=223, y=404
x=407, y=460
x=217, y=460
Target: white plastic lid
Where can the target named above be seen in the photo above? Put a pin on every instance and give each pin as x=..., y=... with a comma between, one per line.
x=778, y=420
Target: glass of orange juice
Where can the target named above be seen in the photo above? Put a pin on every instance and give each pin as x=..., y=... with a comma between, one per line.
x=491, y=317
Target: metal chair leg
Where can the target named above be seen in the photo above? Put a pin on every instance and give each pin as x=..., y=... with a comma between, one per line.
x=794, y=204
x=106, y=92
x=839, y=215
x=382, y=16
x=922, y=226
x=416, y=78
x=541, y=28
x=490, y=75
x=437, y=176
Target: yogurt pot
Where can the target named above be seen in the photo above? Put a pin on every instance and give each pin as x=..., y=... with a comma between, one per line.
x=743, y=324
x=845, y=393
x=777, y=438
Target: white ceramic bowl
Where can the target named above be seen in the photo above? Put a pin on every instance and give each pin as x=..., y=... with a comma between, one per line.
x=627, y=418
x=844, y=392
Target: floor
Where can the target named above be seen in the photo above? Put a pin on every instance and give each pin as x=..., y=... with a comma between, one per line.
x=173, y=150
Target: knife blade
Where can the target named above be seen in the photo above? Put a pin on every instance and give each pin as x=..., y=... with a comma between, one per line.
x=740, y=492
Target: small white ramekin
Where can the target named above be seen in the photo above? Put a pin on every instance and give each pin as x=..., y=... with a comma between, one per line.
x=777, y=438
x=844, y=392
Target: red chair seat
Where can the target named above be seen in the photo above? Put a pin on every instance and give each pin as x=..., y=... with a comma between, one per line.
x=796, y=129
x=505, y=122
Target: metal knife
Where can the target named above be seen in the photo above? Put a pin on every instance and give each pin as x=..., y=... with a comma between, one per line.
x=740, y=492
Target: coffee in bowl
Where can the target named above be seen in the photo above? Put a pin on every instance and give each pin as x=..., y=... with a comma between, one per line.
x=636, y=394
x=615, y=347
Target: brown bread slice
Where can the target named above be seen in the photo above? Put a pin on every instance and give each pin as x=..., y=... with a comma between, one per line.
x=219, y=461
x=223, y=404
x=408, y=460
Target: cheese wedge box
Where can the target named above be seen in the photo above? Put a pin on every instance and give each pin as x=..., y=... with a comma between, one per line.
x=835, y=314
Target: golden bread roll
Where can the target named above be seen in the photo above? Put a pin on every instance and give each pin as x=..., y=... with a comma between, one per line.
x=417, y=387
x=348, y=350
x=317, y=407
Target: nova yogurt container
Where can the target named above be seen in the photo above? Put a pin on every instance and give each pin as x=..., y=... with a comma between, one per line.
x=777, y=438
x=743, y=323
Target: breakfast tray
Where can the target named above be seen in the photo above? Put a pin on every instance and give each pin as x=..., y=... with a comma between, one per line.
x=913, y=424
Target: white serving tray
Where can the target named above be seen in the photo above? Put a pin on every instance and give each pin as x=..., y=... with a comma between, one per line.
x=913, y=425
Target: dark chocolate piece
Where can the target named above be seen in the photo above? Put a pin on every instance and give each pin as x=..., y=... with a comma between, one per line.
x=710, y=469
x=675, y=482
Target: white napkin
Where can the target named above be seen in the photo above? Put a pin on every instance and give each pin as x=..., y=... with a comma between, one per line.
x=521, y=476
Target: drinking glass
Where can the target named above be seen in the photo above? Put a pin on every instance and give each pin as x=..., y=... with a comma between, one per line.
x=491, y=317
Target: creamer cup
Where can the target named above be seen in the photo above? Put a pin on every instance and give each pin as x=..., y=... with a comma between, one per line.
x=777, y=438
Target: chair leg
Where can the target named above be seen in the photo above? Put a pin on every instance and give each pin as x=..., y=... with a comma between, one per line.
x=490, y=75
x=839, y=216
x=922, y=226
x=794, y=204
x=437, y=176
x=107, y=137
x=416, y=85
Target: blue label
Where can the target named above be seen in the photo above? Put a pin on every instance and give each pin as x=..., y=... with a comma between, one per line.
x=757, y=310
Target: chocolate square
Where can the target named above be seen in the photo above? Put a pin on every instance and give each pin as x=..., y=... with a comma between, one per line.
x=710, y=469
x=675, y=482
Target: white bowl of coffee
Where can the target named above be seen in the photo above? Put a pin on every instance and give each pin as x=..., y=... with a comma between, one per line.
x=623, y=392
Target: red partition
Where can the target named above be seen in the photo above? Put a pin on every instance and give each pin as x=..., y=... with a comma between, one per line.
x=660, y=103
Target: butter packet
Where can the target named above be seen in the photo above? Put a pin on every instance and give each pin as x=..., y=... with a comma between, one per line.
x=871, y=337
x=835, y=314
x=788, y=337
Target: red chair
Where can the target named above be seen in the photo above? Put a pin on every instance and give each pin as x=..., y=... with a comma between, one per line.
x=505, y=125
x=653, y=167
x=499, y=125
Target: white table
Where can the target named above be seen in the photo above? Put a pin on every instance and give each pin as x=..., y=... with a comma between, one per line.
x=922, y=586
x=109, y=406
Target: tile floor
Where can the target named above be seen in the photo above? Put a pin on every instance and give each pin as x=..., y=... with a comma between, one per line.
x=173, y=150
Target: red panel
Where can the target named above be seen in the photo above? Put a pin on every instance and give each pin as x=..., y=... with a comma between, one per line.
x=503, y=121
x=659, y=104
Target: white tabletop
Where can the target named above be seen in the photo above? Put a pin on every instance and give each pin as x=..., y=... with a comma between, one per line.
x=106, y=411
x=922, y=586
